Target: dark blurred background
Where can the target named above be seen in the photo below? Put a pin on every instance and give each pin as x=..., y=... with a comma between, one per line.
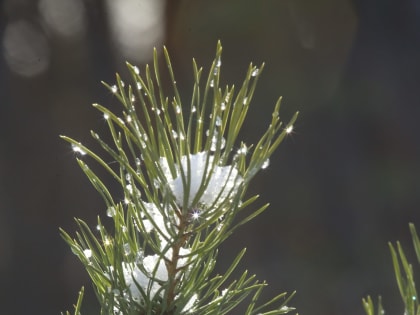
x=341, y=186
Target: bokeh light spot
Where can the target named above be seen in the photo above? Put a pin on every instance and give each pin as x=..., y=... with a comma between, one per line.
x=66, y=18
x=137, y=26
x=25, y=48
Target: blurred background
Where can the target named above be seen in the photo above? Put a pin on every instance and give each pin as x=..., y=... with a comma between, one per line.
x=341, y=186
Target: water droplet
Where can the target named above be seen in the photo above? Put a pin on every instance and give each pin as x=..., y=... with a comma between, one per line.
x=139, y=87
x=122, y=83
x=265, y=164
x=174, y=134
x=139, y=257
x=129, y=188
x=127, y=249
x=106, y=116
x=133, y=98
x=77, y=148
x=156, y=184
x=193, y=109
x=285, y=308
x=111, y=212
x=121, y=121
x=218, y=121
x=223, y=106
x=222, y=143
x=207, y=132
x=218, y=62
x=87, y=253
x=107, y=241
x=138, y=162
x=213, y=145
x=126, y=201
x=98, y=227
x=178, y=109
x=195, y=214
x=289, y=129
x=128, y=118
x=245, y=100
x=243, y=150
x=255, y=72
x=199, y=121
x=136, y=70
x=128, y=177
x=211, y=83
x=114, y=89
x=181, y=136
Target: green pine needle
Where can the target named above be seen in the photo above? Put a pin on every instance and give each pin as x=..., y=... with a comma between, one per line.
x=404, y=276
x=183, y=177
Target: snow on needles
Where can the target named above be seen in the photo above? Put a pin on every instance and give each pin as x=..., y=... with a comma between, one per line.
x=221, y=182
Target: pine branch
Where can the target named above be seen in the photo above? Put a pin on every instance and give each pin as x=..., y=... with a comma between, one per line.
x=404, y=276
x=183, y=176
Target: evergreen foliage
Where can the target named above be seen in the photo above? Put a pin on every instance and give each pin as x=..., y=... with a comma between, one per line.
x=183, y=176
x=405, y=279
